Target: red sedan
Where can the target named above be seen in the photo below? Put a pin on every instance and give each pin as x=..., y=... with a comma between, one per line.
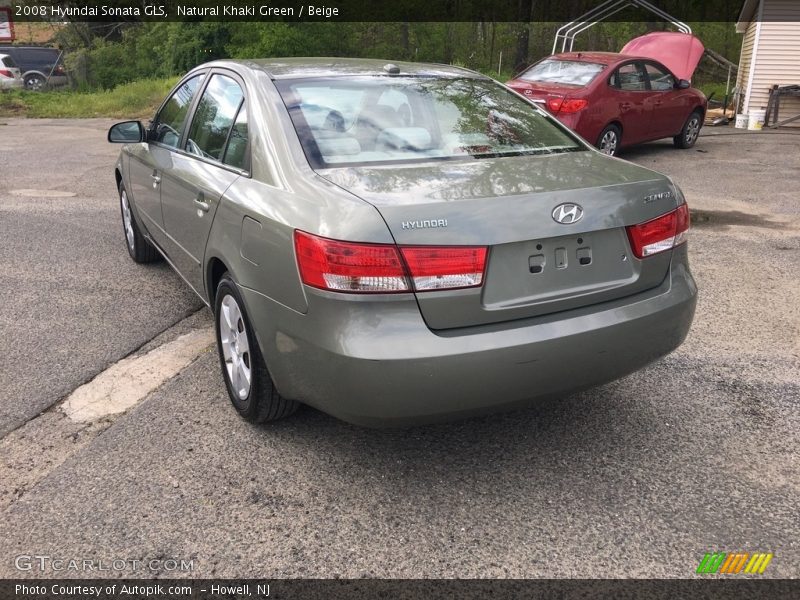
x=618, y=99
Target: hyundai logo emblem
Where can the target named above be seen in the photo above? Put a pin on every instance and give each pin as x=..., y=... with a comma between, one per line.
x=567, y=213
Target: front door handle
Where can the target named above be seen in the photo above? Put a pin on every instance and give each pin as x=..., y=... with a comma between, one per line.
x=156, y=179
x=200, y=203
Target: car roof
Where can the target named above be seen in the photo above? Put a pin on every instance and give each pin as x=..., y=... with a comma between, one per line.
x=297, y=67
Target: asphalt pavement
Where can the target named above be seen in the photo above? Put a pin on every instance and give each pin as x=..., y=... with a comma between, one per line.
x=71, y=301
x=637, y=478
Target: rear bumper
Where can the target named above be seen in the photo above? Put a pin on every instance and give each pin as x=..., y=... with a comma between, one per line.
x=376, y=363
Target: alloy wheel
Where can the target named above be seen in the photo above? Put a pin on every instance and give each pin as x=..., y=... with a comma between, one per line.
x=608, y=143
x=235, y=346
x=127, y=219
x=692, y=130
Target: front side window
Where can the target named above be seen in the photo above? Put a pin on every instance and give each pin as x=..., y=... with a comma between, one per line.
x=565, y=72
x=364, y=120
x=630, y=78
x=214, y=117
x=169, y=123
x=660, y=80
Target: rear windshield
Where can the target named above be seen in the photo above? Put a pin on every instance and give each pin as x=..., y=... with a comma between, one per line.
x=366, y=120
x=8, y=62
x=569, y=72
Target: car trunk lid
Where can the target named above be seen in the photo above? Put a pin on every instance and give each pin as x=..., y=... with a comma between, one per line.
x=536, y=265
x=540, y=93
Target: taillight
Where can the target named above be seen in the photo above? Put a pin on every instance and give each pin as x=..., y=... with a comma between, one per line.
x=435, y=268
x=6, y=73
x=566, y=105
x=660, y=234
x=380, y=268
x=349, y=267
x=59, y=70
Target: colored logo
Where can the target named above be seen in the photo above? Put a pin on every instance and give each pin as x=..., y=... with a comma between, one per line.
x=729, y=563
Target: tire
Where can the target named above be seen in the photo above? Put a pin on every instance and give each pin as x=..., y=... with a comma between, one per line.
x=255, y=398
x=689, y=132
x=609, y=140
x=35, y=82
x=139, y=248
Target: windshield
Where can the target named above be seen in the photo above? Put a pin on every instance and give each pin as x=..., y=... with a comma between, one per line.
x=569, y=72
x=365, y=120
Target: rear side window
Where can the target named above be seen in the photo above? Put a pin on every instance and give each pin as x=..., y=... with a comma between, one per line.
x=214, y=117
x=569, y=72
x=629, y=78
x=169, y=123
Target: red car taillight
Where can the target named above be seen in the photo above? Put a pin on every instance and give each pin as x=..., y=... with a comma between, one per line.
x=660, y=234
x=384, y=268
x=566, y=105
x=6, y=73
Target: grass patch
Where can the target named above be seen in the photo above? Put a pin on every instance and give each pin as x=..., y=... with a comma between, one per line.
x=130, y=100
x=718, y=89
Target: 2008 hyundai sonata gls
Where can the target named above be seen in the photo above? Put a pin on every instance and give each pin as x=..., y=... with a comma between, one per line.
x=401, y=243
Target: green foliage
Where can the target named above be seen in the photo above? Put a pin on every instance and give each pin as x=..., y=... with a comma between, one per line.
x=131, y=100
x=106, y=55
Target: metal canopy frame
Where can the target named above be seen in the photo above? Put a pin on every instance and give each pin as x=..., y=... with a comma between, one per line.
x=566, y=33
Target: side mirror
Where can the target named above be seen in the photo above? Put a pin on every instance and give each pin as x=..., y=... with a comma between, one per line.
x=129, y=132
x=683, y=84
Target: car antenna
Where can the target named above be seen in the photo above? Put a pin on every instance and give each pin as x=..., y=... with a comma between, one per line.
x=391, y=69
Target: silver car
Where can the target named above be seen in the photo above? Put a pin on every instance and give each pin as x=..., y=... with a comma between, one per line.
x=397, y=243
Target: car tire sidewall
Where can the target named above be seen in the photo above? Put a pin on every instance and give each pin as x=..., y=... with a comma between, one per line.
x=247, y=406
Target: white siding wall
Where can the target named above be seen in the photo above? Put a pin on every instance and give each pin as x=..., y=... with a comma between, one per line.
x=743, y=76
x=777, y=56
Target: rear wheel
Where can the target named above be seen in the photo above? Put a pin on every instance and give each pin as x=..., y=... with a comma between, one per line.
x=691, y=129
x=34, y=82
x=247, y=379
x=139, y=248
x=609, y=140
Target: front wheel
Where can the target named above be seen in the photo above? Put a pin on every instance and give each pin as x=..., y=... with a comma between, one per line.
x=609, y=140
x=139, y=248
x=250, y=387
x=691, y=129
